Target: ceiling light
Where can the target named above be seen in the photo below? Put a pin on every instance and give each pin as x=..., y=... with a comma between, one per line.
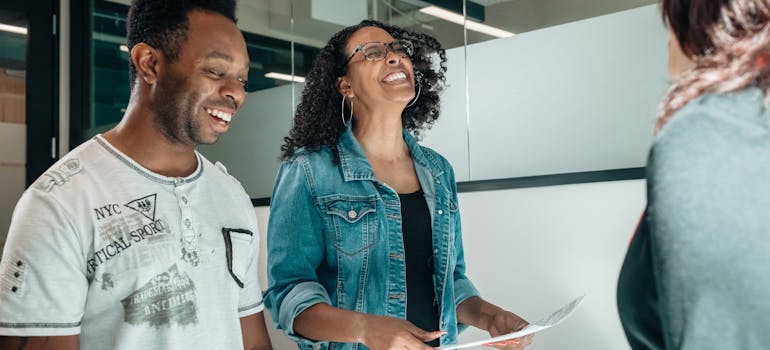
x=124, y=48
x=287, y=77
x=13, y=29
x=450, y=16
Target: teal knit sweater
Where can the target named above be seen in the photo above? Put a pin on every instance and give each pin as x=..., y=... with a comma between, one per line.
x=697, y=272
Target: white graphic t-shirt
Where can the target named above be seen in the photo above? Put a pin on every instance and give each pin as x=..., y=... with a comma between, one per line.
x=102, y=247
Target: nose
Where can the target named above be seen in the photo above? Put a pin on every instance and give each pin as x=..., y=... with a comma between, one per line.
x=234, y=91
x=392, y=57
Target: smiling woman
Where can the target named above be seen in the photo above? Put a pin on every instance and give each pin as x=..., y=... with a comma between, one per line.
x=364, y=222
x=318, y=123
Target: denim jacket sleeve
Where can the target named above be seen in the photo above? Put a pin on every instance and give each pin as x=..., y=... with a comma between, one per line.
x=295, y=248
x=463, y=287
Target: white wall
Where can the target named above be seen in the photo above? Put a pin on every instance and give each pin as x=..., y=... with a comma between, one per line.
x=279, y=340
x=531, y=250
x=575, y=97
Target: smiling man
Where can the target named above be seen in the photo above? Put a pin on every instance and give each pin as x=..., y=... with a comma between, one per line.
x=134, y=240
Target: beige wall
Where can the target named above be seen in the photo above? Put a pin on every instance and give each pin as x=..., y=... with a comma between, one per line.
x=12, y=85
x=13, y=143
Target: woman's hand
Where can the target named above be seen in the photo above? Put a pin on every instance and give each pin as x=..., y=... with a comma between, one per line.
x=382, y=332
x=483, y=315
x=504, y=322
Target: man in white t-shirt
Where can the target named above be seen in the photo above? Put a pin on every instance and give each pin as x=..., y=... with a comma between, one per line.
x=134, y=240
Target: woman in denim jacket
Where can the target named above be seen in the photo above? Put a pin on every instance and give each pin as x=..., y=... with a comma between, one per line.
x=364, y=244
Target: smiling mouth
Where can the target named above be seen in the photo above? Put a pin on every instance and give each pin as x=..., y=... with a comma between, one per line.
x=222, y=117
x=395, y=77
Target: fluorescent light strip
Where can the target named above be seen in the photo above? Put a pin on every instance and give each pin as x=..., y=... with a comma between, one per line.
x=287, y=77
x=124, y=48
x=450, y=16
x=13, y=29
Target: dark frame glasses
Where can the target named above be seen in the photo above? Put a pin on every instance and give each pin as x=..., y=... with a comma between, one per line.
x=377, y=51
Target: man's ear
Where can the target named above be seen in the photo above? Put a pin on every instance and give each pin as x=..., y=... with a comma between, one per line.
x=344, y=88
x=147, y=61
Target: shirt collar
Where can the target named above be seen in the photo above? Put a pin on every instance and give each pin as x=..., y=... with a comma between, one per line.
x=355, y=165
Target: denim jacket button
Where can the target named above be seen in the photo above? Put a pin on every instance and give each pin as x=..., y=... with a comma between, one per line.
x=440, y=212
x=352, y=214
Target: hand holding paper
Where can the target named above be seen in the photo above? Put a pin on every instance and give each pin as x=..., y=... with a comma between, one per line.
x=504, y=322
x=544, y=323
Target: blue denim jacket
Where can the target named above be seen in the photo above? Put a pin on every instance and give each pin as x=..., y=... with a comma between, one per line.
x=334, y=236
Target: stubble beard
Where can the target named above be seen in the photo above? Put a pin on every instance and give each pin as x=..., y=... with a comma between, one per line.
x=176, y=117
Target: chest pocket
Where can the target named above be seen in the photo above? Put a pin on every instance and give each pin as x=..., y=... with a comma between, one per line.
x=239, y=252
x=354, y=222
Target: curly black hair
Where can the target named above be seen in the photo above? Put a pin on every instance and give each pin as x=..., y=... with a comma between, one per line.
x=163, y=24
x=317, y=121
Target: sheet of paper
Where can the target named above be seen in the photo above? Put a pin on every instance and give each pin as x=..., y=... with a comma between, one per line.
x=544, y=323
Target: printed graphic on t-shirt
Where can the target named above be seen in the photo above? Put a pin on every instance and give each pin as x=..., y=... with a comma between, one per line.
x=12, y=272
x=167, y=299
x=144, y=206
x=107, y=211
x=120, y=236
x=189, y=253
x=107, y=282
x=58, y=176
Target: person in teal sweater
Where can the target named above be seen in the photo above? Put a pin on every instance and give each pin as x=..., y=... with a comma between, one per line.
x=697, y=272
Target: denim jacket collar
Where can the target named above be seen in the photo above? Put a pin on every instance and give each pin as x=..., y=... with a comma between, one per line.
x=355, y=165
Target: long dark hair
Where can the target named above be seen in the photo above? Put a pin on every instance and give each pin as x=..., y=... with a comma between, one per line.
x=317, y=121
x=729, y=40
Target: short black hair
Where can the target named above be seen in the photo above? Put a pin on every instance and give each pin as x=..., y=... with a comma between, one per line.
x=163, y=24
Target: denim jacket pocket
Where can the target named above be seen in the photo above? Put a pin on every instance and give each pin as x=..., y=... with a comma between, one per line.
x=354, y=221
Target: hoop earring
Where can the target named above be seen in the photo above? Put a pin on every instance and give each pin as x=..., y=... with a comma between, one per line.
x=342, y=111
x=419, y=89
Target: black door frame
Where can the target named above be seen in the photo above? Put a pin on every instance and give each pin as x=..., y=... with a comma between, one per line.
x=42, y=83
x=81, y=36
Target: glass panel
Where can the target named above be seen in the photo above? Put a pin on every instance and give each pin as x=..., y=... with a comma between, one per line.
x=250, y=148
x=489, y=19
x=13, y=128
x=283, y=37
x=316, y=21
x=309, y=24
x=109, y=75
x=449, y=135
x=551, y=96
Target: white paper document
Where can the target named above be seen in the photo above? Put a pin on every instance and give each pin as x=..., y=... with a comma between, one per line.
x=544, y=323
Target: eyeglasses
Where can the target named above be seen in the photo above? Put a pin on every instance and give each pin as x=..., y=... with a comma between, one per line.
x=377, y=51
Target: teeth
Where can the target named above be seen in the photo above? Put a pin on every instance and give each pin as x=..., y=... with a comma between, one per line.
x=395, y=76
x=227, y=117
